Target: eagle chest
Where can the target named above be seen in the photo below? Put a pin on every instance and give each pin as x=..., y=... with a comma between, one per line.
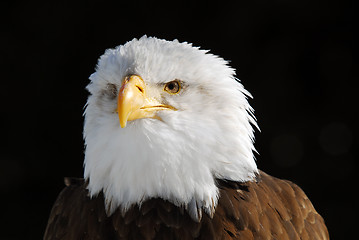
x=268, y=209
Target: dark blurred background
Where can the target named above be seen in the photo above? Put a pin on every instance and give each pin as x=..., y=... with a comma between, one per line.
x=295, y=57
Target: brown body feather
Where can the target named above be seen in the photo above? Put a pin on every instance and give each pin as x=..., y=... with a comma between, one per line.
x=268, y=209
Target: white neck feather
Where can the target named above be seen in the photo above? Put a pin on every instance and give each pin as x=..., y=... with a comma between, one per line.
x=150, y=159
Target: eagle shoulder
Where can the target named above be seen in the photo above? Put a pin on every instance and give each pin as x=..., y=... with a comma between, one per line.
x=75, y=215
x=268, y=209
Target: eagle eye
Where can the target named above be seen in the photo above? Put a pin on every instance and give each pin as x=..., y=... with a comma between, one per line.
x=173, y=87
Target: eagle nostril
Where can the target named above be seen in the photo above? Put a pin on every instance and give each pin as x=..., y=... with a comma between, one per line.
x=139, y=88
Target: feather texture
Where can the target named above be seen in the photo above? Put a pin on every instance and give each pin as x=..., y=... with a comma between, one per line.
x=268, y=209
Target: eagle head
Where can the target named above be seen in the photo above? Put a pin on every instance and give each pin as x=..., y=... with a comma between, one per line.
x=164, y=120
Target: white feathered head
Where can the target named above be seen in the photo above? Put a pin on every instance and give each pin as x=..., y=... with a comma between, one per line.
x=165, y=119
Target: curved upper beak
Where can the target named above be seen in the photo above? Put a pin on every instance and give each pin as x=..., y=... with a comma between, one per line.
x=133, y=102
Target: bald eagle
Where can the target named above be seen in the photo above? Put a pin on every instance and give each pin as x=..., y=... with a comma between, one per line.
x=169, y=155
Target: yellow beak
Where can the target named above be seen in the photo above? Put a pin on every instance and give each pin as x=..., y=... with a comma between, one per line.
x=133, y=103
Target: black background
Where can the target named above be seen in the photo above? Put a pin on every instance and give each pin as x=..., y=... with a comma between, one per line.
x=295, y=57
